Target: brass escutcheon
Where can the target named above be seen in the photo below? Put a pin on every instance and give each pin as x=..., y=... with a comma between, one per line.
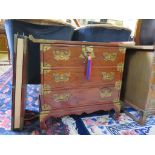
x=86, y=50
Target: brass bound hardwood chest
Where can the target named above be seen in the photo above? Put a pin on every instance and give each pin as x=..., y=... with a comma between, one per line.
x=79, y=77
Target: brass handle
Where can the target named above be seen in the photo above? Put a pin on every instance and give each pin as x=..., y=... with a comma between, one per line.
x=109, y=56
x=61, y=54
x=108, y=75
x=60, y=77
x=105, y=92
x=61, y=97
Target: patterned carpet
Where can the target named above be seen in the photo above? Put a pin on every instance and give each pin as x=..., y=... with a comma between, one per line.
x=4, y=68
x=98, y=123
x=31, y=126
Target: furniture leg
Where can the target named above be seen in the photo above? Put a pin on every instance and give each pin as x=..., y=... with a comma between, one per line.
x=143, y=118
x=117, y=108
x=43, y=116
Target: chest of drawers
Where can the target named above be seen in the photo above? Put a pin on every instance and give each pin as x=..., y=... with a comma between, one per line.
x=70, y=86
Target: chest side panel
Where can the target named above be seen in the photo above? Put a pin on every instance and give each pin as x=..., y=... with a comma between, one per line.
x=138, y=77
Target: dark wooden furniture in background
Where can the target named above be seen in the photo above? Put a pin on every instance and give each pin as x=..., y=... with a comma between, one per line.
x=3, y=41
x=145, y=32
x=138, y=88
x=64, y=88
x=137, y=32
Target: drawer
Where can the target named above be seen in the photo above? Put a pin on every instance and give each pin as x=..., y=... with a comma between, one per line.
x=76, y=56
x=80, y=97
x=72, y=78
x=61, y=56
x=108, y=56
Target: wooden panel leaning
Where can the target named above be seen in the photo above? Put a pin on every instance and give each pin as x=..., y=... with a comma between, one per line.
x=138, y=88
x=19, y=82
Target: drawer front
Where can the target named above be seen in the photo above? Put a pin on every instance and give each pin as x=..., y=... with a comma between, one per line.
x=76, y=56
x=108, y=56
x=72, y=78
x=61, y=56
x=80, y=97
